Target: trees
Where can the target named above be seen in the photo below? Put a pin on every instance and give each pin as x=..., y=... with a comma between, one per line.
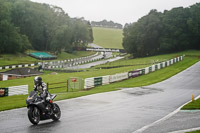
x=47, y=27
x=80, y=34
x=175, y=31
x=11, y=41
x=170, y=31
x=194, y=25
x=141, y=38
x=106, y=24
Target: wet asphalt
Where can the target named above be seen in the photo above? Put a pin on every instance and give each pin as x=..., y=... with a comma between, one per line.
x=123, y=111
x=180, y=122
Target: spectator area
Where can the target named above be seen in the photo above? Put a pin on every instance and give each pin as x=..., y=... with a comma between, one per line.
x=43, y=56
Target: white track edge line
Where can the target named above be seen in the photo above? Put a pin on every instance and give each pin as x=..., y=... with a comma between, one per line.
x=162, y=119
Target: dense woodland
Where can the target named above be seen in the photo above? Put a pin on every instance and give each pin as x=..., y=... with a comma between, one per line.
x=158, y=33
x=28, y=25
x=106, y=24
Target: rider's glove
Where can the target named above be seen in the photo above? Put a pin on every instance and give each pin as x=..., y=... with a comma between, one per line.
x=48, y=98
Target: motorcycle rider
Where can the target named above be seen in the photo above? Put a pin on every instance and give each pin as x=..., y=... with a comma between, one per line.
x=41, y=87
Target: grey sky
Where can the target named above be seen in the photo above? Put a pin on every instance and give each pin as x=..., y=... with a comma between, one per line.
x=121, y=11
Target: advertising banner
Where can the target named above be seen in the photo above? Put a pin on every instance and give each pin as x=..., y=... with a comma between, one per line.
x=133, y=74
x=3, y=92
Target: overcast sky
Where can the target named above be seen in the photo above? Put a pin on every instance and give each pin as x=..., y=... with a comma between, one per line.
x=120, y=11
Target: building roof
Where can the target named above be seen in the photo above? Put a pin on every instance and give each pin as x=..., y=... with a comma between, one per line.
x=21, y=72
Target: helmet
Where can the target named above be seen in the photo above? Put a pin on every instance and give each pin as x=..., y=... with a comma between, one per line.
x=38, y=80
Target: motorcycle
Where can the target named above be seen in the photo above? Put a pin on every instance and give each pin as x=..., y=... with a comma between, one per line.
x=40, y=109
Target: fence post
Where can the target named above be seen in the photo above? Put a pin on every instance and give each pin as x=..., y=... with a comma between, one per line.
x=67, y=85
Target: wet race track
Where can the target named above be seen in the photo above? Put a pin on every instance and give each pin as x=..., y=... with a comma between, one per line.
x=123, y=111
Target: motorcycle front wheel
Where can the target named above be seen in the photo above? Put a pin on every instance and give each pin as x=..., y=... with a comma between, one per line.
x=34, y=115
x=56, y=112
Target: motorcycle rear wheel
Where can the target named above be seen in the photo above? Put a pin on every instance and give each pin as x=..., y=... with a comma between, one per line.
x=56, y=112
x=34, y=115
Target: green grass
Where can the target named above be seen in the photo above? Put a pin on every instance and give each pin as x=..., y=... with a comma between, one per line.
x=14, y=59
x=192, y=105
x=75, y=54
x=141, y=62
x=19, y=101
x=194, y=132
x=107, y=37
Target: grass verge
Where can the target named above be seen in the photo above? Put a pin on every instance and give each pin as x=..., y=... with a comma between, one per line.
x=192, y=105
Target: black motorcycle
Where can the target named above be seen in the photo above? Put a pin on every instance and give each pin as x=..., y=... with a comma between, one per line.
x=40, y=109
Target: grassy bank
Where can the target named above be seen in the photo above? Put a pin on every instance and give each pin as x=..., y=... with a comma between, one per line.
x=14, y=59
x=19, y=101
x=107, y=37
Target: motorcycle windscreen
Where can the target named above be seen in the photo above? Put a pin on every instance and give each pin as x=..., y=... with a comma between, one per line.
x=32, y=93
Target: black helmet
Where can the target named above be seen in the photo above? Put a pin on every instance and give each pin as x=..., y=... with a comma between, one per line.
x=38, y=80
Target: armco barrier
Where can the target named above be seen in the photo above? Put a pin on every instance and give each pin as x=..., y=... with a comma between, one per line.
x=150, y=69
x=118, y=77
x=89, y=83
x=153, y=68
x=158, y=66
x=97, y=81
x=18, y=90
x=163, y=64
x=172, y=61
x=105, y=80
x=146, y=70
x=168, y=64
x=143, y=71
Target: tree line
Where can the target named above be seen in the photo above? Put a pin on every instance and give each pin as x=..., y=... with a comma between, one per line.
x=106, y=24
x=25, y=25
x=157, y=33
